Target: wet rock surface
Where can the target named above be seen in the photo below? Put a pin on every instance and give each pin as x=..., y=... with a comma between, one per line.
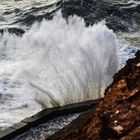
x=117, y=116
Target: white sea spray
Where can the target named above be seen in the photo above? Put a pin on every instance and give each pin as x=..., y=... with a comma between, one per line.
x=61, y=61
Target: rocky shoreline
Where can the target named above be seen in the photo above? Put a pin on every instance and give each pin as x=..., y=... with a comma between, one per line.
x=117, y=116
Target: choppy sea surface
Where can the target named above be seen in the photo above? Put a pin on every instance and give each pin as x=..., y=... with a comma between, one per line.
x=55, y=52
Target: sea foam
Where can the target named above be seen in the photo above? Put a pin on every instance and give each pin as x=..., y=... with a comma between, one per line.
x=62, y=61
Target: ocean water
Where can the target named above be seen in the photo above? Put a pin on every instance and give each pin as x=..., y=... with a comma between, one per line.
x=54, y=53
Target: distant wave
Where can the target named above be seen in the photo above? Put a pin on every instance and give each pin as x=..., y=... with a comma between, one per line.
x=119, y=15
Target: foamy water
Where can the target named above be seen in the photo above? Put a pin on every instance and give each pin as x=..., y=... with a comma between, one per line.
x=55, y=63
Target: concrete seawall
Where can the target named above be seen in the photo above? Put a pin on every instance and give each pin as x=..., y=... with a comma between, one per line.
x=44, y=116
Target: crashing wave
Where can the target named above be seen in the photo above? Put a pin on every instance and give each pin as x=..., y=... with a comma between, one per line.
x=62, y=61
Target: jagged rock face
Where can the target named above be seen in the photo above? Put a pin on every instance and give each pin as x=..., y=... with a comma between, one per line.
x=117, y=116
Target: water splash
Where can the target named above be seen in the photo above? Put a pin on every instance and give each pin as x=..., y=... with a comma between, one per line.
x=62, y=61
